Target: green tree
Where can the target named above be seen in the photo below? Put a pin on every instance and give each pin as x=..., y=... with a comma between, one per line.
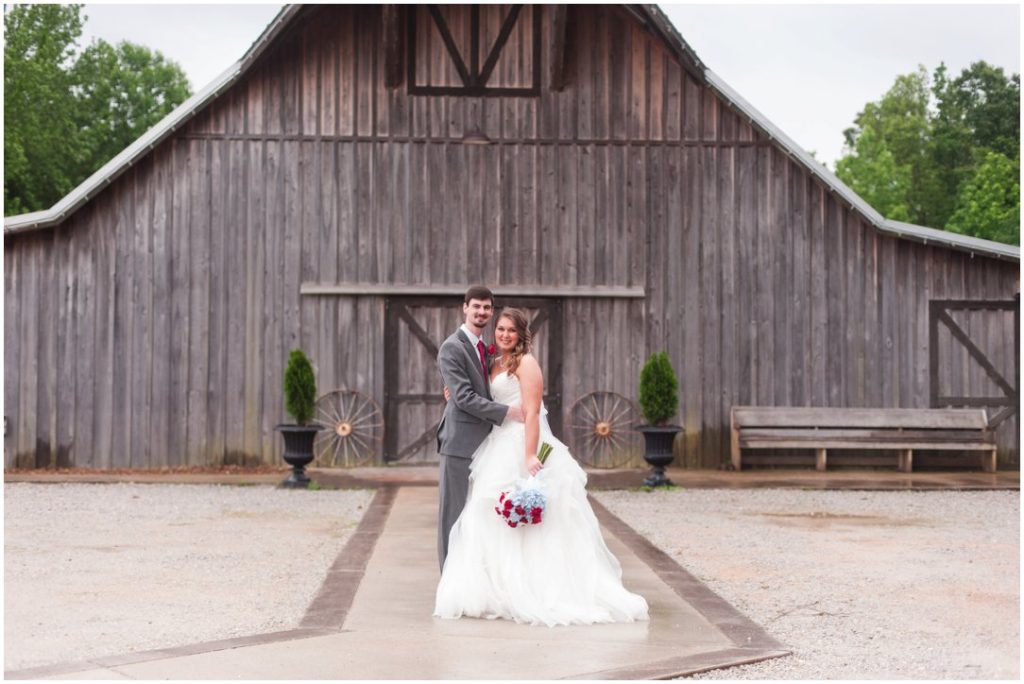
x=951, y=147
x=901, y=126
x=988, y=204
x=910, y=158
x=900, y=117
x=872, y=172
x=121, y=93
x=982, y=103
x=66, y=114
x=39, y=125
x=978, y=110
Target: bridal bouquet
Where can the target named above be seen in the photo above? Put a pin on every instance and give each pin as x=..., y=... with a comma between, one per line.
x=523, y=507
x=524, y=504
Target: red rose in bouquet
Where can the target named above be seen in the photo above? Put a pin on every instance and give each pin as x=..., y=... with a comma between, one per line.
x=524, y=507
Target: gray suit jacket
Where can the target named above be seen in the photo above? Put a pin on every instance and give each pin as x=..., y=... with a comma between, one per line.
x=470, y=414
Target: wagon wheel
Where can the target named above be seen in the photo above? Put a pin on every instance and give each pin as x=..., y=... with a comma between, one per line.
x=601, y=425
x=353, y=431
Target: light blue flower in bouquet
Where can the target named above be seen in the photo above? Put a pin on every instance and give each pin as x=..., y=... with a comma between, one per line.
x=524, y=503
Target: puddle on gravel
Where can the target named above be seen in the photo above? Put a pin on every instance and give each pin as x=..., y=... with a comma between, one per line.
x=826, y=519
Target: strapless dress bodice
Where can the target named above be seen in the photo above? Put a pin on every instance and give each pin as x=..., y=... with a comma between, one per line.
x=505, y=389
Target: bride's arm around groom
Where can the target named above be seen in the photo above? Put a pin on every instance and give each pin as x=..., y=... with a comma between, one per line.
x=531, y=384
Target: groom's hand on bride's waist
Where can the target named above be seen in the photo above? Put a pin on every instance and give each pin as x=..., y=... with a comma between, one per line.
x=516, y=413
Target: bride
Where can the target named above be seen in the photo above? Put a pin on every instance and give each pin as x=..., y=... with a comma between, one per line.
x=559, y=572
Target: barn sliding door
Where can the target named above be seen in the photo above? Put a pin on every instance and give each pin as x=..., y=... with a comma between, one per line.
x=974, y=362
x=413, y=400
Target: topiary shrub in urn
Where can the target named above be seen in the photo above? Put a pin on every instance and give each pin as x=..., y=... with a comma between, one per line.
x=659, y=401
x=299, y=402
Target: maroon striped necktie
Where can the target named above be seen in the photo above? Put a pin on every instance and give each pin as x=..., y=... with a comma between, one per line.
x=483, y=359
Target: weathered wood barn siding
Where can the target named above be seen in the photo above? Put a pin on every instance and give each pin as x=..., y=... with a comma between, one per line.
x=150, y=328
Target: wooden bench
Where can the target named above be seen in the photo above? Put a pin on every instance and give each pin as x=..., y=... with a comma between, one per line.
x=821, y=429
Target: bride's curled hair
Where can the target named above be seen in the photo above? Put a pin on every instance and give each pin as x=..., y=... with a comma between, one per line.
x=522, y=325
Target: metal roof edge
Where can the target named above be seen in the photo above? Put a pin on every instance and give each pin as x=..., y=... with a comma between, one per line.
x=951, y=239
x=151, y=138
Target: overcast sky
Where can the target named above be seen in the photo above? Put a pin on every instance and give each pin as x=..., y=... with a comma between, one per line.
x=809, y=68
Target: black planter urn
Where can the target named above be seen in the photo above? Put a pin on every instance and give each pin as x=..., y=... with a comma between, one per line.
x=658, y=441
x=298, y=452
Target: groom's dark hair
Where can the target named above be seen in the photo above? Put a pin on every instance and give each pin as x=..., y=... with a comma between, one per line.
x=478, y=292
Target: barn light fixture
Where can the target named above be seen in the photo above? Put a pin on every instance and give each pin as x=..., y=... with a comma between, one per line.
x=475, y=136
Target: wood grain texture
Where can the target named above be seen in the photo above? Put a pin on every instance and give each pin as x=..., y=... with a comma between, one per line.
x=12, y=349
x=103, y=352
x=125, y=312
x=235, y=245
x=64, y=414
x=141, y=285
x=43, y=412
x=710, y=309
x=27, y=366
x=689, y=358
x=280, y=242
x=218, y=389
x=197, y=298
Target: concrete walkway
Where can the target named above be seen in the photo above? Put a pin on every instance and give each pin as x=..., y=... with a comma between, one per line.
x=371, y=620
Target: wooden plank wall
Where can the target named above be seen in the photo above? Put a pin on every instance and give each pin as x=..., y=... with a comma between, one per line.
x=831, y=313
x=151, y=328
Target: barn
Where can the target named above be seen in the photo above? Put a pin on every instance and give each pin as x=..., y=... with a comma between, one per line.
x=339, y=186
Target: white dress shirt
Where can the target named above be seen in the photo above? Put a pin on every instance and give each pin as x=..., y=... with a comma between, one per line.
x=473, y=339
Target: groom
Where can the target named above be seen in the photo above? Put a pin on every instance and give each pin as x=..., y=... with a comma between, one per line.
x=470, y=414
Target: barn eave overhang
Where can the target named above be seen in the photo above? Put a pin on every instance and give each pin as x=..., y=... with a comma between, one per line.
x=964, y=243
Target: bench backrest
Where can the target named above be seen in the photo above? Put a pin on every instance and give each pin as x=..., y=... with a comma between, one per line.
x=821, y=417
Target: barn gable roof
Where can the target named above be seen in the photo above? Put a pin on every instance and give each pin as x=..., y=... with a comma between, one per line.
x=654, y=19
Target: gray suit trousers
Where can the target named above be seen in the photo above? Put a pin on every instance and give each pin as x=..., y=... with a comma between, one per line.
x=454, y=484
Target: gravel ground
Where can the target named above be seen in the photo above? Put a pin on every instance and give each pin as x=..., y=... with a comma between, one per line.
x=860, y=585
x=103, y=569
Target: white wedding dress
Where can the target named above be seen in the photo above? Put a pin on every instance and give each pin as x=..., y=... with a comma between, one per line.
x=559, y=572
